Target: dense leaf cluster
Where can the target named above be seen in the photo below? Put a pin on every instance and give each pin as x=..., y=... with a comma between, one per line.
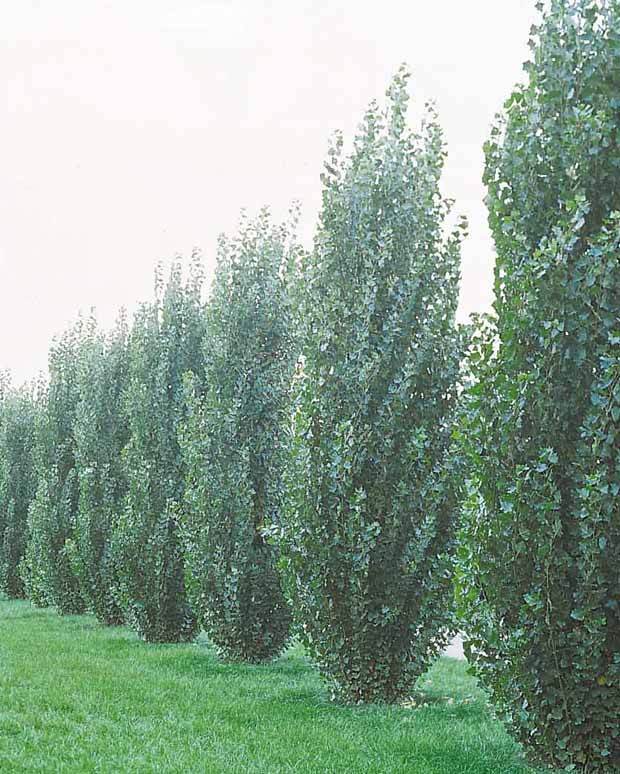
x=538, y=567
x=47, y=569
x=165, y=343
x=17, y=480
x=101, y=432
x=234, y=444
x=369, y=531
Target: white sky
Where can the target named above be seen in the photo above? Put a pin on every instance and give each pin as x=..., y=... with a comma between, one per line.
x=134, y=130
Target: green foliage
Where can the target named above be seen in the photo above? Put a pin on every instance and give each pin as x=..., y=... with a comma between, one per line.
x=538, y=564
x=369, y=535
x=234, y=444
x=164, y=344
x=17, y=481
x=101, y=433
x=47, y=569
x=5, y=383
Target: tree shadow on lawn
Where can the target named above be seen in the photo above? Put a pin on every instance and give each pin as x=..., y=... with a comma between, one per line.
x=292, y=678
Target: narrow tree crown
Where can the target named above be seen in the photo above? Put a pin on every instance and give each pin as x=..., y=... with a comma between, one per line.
x=538, y=577
x=369, y=530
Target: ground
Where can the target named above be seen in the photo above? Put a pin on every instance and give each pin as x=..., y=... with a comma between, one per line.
x=78, y=697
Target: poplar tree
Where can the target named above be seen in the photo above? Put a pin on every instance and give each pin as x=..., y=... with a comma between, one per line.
x=538, y=564
x=17, y=482
x=235, y=441
x=369, y=532
x=101, y=434
x=47, y=570
x=165, y=343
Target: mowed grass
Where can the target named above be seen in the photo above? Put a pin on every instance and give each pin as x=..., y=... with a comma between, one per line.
x=79, y=697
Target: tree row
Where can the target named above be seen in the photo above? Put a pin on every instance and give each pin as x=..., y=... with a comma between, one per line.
x=315, y=448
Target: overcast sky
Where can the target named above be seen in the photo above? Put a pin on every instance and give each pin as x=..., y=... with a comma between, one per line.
x=134, y=130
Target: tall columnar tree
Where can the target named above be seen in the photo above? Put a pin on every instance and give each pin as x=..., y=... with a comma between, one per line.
x=234, y=443
x=17, y=482
x=369, y=533
x=165, y=343
x=101, y=433
x=47, y=569
x=538, y=578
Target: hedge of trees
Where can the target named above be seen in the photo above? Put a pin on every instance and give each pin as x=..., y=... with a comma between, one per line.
x=317, y=449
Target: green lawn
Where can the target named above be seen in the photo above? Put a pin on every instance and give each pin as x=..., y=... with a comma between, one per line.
x=77, y=697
